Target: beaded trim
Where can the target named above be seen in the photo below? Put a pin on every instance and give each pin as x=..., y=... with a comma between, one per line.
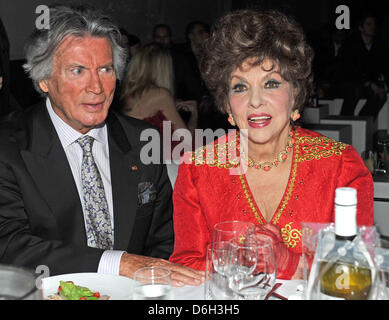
x=281, y=157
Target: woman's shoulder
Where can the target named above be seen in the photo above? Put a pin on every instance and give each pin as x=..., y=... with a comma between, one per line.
x=315, y=146
x=158, y=98
x=159, y=93
x=221, y=153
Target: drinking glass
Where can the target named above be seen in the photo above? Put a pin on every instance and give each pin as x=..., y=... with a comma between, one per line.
x=216, y=282
x=227, y=230
x=380, y=289
x=251, y=268
x=153, y=283
x=18, y=284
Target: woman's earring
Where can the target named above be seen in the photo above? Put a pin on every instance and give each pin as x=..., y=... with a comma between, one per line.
x=296, y=115
x=231, y=120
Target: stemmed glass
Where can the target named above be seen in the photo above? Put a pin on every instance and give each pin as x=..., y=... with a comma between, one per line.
x=216, y=286
x=251, y=268
x=223, y=233
x=227, y=230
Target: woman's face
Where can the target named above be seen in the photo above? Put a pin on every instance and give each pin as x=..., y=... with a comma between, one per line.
x=261, y=102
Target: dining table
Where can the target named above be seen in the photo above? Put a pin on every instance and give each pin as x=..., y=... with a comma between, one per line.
x=288, y=290
x=122, y=288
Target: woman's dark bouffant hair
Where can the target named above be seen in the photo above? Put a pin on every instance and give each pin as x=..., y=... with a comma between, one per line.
x=245, y=34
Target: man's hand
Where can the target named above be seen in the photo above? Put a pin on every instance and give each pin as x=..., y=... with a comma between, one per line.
x=180, y=275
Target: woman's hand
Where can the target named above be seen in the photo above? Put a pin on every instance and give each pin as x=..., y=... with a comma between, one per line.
x=180, y=275
x=190, y=105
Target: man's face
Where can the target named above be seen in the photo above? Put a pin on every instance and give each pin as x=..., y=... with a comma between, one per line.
x=162, y=37
x=369, y=27
x=198, y=35
x=82, y=85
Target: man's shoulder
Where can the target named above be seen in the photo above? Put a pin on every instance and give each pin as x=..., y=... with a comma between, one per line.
x=15, y=131
x=132, y=127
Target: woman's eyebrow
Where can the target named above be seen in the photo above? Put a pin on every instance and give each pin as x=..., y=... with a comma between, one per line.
x=271, y=74
x=241, y=78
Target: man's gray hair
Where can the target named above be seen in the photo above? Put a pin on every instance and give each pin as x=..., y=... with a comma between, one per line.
x=70, y=21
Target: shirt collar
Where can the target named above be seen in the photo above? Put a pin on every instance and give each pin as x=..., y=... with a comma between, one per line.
x=67, y=135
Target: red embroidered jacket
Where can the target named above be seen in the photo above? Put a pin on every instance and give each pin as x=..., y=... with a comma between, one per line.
x=207, y=193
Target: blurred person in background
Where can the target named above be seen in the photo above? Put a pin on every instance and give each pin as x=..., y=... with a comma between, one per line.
x=131, y=42
x=148, y=91
x=364, y=69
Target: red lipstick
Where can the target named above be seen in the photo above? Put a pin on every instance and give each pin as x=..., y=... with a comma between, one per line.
x=259, y=120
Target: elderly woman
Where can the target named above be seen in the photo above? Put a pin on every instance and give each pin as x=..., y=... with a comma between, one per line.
x=258, y=66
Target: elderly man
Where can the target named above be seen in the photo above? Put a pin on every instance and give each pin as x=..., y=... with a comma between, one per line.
x=74, y=193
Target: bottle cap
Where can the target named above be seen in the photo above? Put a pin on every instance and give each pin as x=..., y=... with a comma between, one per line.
x=346, y=212
x=346, y=196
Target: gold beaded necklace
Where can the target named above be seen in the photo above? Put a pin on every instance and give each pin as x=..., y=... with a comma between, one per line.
x=281, y=157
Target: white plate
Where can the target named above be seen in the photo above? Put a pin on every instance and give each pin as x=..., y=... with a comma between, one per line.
x=117, y=287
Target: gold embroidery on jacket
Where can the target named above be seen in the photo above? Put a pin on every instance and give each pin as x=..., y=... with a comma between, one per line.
x=291, y=182
x=315, y=148
x=222, y=155
x=250, y=202
x=290, y=236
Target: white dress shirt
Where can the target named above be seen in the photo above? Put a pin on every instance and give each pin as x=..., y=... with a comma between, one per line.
x=110, y=260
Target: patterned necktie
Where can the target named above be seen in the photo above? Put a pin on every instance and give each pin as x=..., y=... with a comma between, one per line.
x=98, y=223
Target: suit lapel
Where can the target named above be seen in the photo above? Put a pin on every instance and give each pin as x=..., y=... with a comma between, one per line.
x=124, y=181
x=46, y=161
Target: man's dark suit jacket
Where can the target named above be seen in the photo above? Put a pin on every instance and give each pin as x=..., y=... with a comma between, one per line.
x=41, y=218
x=4, y=71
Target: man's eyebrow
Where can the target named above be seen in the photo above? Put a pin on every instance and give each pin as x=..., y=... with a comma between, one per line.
x=109, y=64
x=76, y=65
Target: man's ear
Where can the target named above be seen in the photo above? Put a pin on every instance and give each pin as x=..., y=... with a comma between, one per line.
x=43, y=85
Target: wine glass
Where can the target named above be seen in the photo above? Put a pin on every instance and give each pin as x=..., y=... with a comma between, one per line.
x=251, y=268
x=219, y=256
x=153, y=283
x=227, y=230
x=216, y=282
x=224, y=232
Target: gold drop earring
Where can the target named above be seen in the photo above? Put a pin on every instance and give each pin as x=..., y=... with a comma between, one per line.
x=231, y=120
x=296, y=115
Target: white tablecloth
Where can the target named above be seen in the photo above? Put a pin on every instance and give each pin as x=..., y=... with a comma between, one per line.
x=289, y=289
